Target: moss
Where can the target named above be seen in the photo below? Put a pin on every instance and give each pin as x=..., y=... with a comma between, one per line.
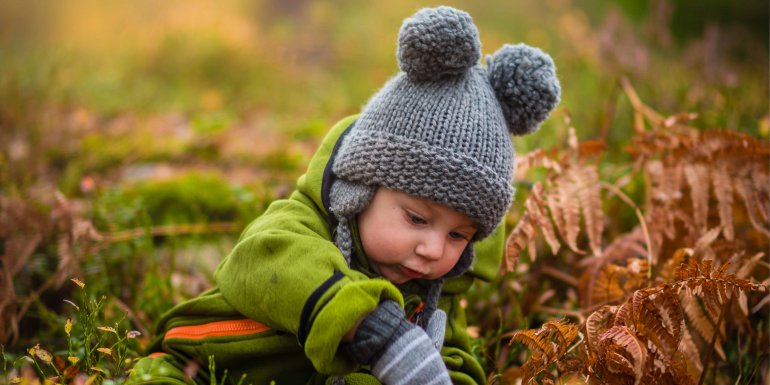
x=194, y=198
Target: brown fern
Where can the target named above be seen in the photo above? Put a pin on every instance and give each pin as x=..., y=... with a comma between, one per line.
x=548, y=345
x=659, y=297
x=589, y=194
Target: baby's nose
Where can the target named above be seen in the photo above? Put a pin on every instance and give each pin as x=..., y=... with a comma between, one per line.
x=431, y=247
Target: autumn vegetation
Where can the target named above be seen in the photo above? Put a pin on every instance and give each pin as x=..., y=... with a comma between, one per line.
x=660, y=301
x=137, y=140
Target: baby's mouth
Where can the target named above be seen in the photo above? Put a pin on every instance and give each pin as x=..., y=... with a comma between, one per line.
x=409, y=272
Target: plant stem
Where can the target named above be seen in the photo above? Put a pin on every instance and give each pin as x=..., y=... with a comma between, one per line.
x=714, y=340
x=194, y=228
x=560, y=275
x=642, y=222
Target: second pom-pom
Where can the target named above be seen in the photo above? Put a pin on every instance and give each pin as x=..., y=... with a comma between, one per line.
x=524, y=80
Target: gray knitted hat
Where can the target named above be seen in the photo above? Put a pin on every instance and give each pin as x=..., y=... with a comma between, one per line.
x=440, y=129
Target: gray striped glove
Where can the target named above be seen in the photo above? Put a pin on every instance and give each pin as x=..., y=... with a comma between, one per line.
x=397, y=351
x=437, y=328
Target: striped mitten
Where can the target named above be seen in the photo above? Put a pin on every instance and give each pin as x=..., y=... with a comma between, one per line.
x=397, y=351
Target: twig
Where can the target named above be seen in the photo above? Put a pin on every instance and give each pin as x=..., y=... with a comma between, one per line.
x=648, y=243
x=186, y=229
x=560, y=275
x=637, y=103
x=140, y=323
x=555, y=311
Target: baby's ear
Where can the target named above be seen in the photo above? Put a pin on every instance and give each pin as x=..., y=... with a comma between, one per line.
x=525, y=83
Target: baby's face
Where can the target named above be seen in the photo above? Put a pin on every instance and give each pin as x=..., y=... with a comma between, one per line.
x=406, y=237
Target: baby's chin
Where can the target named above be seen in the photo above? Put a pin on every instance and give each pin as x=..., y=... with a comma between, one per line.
x=392, y=274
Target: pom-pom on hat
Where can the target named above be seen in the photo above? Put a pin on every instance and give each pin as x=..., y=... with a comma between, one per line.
x=440, y=128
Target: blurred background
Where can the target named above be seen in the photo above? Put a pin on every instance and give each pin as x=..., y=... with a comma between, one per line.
x=137, y=138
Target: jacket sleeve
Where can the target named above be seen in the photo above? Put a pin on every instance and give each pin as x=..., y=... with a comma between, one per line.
x=286, y=273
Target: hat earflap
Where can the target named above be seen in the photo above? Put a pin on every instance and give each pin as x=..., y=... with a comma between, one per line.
x=525, y=84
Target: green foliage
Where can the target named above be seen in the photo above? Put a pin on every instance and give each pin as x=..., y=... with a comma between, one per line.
x=95, y=351
x=187, y=198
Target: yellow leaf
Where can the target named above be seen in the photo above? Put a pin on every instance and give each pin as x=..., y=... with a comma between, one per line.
x=73, y=360
x=104, y=350
x=94, y=368
x=42, y=354
x=15, y=380
x=78, y=282
x=108, y=329
x=68, y=326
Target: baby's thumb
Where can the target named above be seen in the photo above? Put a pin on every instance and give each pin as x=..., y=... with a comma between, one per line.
x=437, y=328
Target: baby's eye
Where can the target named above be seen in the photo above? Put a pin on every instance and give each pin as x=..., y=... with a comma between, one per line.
x=456, y=235
x=416, y=219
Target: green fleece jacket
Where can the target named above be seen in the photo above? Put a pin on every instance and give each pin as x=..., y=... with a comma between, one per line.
x=285, y=297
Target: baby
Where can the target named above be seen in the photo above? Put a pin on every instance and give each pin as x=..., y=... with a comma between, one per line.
x=356, y=277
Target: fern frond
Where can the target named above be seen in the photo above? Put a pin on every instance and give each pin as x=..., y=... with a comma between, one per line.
x=745, y=189
x=607, y=288
x=596, y=324
x=548, y=345
x=691, y=354
x=762, y=187
x=647, y=320
x=565, y=208
x=517, y=241
x=537, y=206
x=723, y=190
x=564, y=331
x=702, y=323
x=586, y=179
x=621, y=355
x=536, y=340
x=536, y=158
x=523, y=234
x=697, y=176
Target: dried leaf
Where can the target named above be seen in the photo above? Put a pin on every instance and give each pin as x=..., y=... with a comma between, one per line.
x=744, y=187
x=106, y=351
x=517, y=241
x=41, y=354
x=107, y=329
x=540, y=216
x=723, y=190
x=589, y=193
x=622, y=352
x=565, y=209
x=697, y=176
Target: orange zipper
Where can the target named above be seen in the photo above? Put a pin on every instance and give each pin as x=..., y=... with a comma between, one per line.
x=217, y=329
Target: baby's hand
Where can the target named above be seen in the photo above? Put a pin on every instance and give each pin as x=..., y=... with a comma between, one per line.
x=397, y=351
x=437, y=328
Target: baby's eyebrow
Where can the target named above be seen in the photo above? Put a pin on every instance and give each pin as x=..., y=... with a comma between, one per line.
x=469, y=226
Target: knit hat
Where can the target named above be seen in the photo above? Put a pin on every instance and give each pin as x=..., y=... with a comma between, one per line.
x=440, y=128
